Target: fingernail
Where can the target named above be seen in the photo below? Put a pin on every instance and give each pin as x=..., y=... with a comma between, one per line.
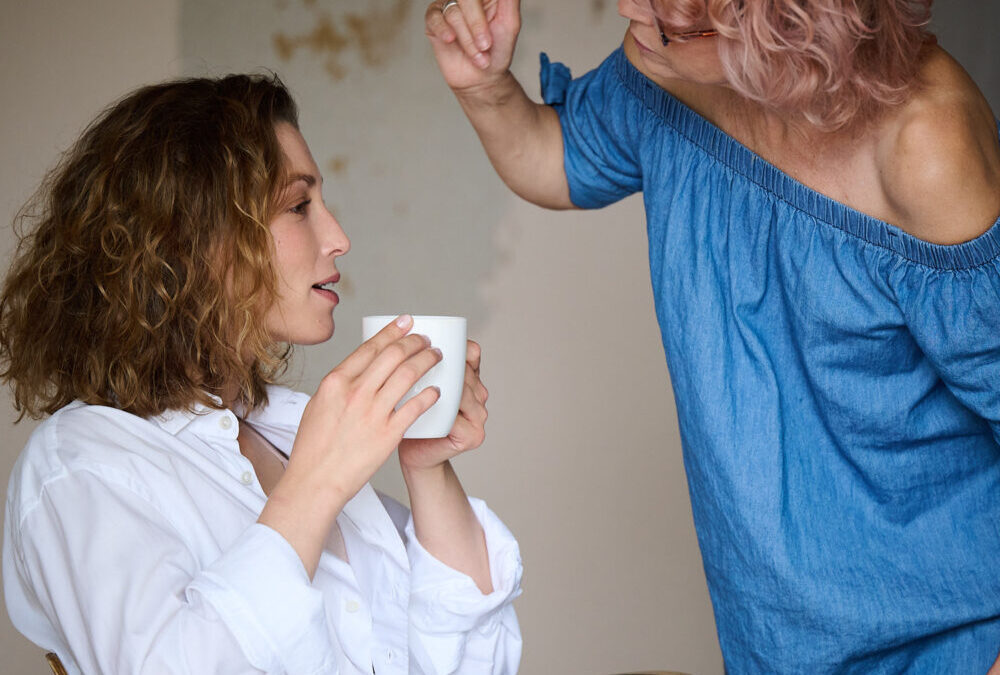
x=483, y=41
x=481, y=60
x=403, y=321
x=437, y=351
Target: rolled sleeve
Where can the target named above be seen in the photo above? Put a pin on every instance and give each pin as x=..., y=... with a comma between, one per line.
x=261, y=590
x=462, y=629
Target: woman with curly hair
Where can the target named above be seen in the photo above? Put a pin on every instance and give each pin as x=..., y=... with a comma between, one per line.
x=178, y=512
x=822, y=189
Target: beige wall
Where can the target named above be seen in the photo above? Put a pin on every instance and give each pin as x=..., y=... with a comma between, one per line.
x=582, y=459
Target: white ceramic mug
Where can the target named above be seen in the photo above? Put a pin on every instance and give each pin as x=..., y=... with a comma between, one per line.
x=447, y=333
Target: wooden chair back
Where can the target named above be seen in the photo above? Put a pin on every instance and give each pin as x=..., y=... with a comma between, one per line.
x=55, y=664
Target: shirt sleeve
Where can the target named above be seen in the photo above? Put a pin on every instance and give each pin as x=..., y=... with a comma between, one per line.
x=129, y=597
x=454, y=627
x=954, y=316
x=601, y=122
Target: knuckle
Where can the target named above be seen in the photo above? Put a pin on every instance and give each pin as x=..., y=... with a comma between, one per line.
x=333, y=381
x=468, y=43
x=416, y=341
x=409, y=371
x=396, y=350
x=368, y=349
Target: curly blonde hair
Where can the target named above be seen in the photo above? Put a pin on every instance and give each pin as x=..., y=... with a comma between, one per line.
x=837, y=63
x=144, y=262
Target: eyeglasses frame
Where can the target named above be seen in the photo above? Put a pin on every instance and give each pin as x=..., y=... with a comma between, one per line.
x=689, y=35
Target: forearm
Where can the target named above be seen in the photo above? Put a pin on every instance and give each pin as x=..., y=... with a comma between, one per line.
x=523, y=140
x=445, y=523
x=304, y=518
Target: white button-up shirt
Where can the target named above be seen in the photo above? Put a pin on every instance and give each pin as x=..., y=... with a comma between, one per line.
x=131, y=546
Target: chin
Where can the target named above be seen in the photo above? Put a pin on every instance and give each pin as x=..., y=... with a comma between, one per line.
x=313, y=336
x=323, y=335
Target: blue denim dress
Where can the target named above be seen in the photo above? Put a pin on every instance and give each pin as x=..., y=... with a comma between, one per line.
x=838, y=393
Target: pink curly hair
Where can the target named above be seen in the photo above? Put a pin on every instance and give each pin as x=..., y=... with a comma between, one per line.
x=838, y=63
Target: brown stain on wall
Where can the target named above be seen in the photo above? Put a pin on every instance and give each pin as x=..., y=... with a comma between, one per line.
x=373, y=33
x=337, y=165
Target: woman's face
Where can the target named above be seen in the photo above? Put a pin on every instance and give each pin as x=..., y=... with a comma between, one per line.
x=307, y=242
x=693, y=60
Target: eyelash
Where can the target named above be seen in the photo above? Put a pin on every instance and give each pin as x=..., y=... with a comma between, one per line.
x=300, y=208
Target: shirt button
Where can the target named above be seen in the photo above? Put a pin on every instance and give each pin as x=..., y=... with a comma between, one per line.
x=225, y=422
x=352, y=606
x=388, y=656
x=246, y=478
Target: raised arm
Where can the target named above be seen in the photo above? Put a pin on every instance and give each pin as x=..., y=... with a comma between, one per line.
x=442, y=517
x=473, y=42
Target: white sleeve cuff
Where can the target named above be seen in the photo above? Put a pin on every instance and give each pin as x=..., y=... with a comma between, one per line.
x=260, y=589
x=444, y=601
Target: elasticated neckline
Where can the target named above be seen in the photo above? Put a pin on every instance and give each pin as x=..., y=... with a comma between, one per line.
x=739, y=158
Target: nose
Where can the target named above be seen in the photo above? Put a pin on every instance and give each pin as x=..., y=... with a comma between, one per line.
x=334, y=240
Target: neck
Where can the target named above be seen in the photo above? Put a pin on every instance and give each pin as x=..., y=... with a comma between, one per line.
x=769, y=132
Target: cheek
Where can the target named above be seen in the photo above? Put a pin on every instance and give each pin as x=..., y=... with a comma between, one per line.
x=288, y=255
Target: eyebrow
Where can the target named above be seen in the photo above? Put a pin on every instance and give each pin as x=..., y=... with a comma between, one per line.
x=307, y=178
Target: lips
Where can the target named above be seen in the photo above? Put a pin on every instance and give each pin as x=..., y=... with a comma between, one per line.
x=327, y=284
x=325, y=288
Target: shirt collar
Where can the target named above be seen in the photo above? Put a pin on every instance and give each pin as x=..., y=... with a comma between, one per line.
x=174, y=421
x=283, y=410
x=278, y=420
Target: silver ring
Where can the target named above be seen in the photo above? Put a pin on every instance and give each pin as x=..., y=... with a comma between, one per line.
x=448, y=5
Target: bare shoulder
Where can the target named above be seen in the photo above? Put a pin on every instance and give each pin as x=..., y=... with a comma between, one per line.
x=939, y=158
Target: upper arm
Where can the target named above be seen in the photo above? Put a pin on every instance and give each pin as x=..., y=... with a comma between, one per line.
x=601, y=124
x=102, y=563
x=940, y=172
x=108, y=574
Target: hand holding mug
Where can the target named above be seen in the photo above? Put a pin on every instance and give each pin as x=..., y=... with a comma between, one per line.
x=355, y=420
x=469, y=430
x=447, y=334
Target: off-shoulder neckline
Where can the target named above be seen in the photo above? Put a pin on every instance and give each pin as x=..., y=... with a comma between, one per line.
x=739, y=158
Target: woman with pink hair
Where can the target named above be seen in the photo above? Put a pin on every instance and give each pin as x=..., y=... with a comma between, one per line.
x=821, y=191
